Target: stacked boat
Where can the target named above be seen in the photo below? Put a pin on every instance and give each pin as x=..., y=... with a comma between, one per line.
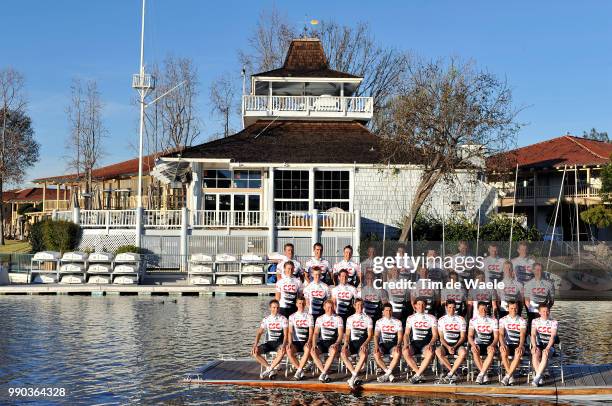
x=127, y=269
x=226, y=269
x=100, y=268
x=73, y=267
x=201, y=269
x=44, y=267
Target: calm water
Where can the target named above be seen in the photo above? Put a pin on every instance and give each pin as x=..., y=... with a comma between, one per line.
x=133, y=350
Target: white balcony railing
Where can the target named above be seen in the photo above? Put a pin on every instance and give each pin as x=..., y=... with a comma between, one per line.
x=326, y=220
x=106, y=218
x=300, y=106
x=162, y=218
x=551, y=192
x=240, y=219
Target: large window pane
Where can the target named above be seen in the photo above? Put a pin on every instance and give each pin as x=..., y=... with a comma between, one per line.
x=254, y=204
x=210, y=202
x=331, y=190
x=225, y=202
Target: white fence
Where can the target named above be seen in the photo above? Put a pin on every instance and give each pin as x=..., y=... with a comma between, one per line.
x=213, y=218
x=327, y=104
x=104, y=218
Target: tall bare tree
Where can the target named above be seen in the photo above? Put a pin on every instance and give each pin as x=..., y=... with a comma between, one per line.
x=223, y=100
x=351, y=49
x=18, y=148
x=448, y=116
x=85, y=142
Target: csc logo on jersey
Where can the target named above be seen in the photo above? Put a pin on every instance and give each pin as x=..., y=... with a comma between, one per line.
x=359, y=324
x=482, y=297
x=422, y=324
x=318, y=294
x=452, y=327
x=302, y=323
x=274, y=326
x=544, y=329
x=329, y=324
x=290, y=288
x=346, y=295
x=513, y=326
x=539, y=291
x=455, y=297
x=389, y=329
x=484, y=329
x=510, y=290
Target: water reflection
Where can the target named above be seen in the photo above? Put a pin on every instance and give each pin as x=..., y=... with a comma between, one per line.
x=113, y=350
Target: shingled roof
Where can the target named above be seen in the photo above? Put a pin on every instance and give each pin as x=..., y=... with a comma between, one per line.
x=306, y=58
x=32, y=195
x=555, y=153
x=294, y=141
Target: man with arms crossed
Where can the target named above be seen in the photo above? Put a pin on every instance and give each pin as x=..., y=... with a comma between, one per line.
x=287, y=290
x=543, y=336
x=512, y=329
x=452, y=331
x=483, y=337
x=276, y=335
x=301, y=325
x=419, y=338
x=326, y=339
x=357, y=339
x=388, y=334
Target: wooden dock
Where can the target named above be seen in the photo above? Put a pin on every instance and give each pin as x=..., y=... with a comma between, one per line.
x=581, y=383
x=136, y=290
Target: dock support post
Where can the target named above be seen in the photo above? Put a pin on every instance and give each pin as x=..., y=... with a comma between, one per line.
x=357, y=233
x=184, y=248
x=314, y=237
x=138, y=240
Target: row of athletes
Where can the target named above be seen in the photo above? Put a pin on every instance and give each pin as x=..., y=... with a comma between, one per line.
x=529, y=296
x=447, y=338
x=492, y=265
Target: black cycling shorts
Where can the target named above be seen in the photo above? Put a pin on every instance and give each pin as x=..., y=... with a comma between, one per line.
x=543, y=346
x=386, y=347
x=323, y=345
x=269, y=346
x=418, y=345
x=355, y=346
x=298, y=345
x=483, y=349
x=511, y=349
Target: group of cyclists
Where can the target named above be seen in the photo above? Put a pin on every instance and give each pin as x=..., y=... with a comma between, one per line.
x=322, y=312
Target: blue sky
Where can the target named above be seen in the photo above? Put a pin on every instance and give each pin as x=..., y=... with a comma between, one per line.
x=556, y=55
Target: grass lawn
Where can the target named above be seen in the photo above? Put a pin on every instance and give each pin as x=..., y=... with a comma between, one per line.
x=12, y=246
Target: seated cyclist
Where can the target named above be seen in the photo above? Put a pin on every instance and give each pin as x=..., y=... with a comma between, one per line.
x=301, y=326
x=543, y=337
x=326, y=339
x=373, y=298
x=424, y=290
x=276, y=335
x=287, y=290
x=512, y=291
x=483, y=337
x=452, y=331
x=482, y=295
x=537, y=291
x=512, y=329
x=343, y=295
x=459, y=296
x=420, y=337
x=316, y=293
x=357, y=339
x=388, y=334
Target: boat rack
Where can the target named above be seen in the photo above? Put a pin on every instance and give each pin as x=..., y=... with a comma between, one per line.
x=226, y=269
x=44, y=267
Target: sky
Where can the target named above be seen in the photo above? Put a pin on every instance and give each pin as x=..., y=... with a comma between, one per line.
x=555, y=55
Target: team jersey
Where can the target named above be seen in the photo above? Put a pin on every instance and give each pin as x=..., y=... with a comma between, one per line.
x=430, y=295
x=274, y=327
x=458, y=295
x=368, y=265
x=297, y=268
x=523, y=268
x=407, y=269
x=397, y=298
x=421, y=326
x=372, y=300
x=512, y=328
x=481, y=295
x=458, y=264
x=451, y=327
x=323, y=264
x=300, y=322
x=484, y=328
x=344, y=295
x=329, y=326
x=359, y=325
x=353, y=269
x=513, y=290
x=538, y=292
x=436, y=274
x=316, y=294
x=544, y=330
x=288, y=289
x=493, y=268
x=387, y=329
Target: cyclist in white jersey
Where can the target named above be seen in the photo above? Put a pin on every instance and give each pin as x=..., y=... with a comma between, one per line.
x=537, y=291
x=398, y=295
x=367, y=265
x=483, y=337
x=425, y=290
x=492, y=265
x=358, y=334
x=326, y=339
x=512, y=332
x=420, y=337
x=275, y=328
x=373, y=298
x=353, y=268
x=318, y=261
x=459, y=296
x=452, y=331
x=316, y=293
x=343, y=295
x=482, y=294
x=543, y=337
x=435, y=266
x=288, y=254
x=287, y=291
x=459, y=261
x=523, y=264
x=301, y=326
x=388, y=333
x=513, y=291
x=404, y=264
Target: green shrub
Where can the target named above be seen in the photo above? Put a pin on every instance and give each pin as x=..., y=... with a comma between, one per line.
x=54, y=235
x=497, y=228
x=128, y=248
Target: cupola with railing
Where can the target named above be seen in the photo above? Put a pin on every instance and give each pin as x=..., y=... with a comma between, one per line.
x=305, y=88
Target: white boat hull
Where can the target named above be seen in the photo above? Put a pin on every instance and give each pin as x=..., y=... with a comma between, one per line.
x=201, y=280
x=72, y=268
x=44, y=278
x=99, y=279
x=126, y=280
x=72, y=279
x=227, y=280
x=252, y=269
x=252, y=280
x=201, y=269
x=99, y=268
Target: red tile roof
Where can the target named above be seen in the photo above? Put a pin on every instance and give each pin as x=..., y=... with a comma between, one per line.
x=306, y=58
x=556, y=152
x=113, y=171
x=32, y=195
